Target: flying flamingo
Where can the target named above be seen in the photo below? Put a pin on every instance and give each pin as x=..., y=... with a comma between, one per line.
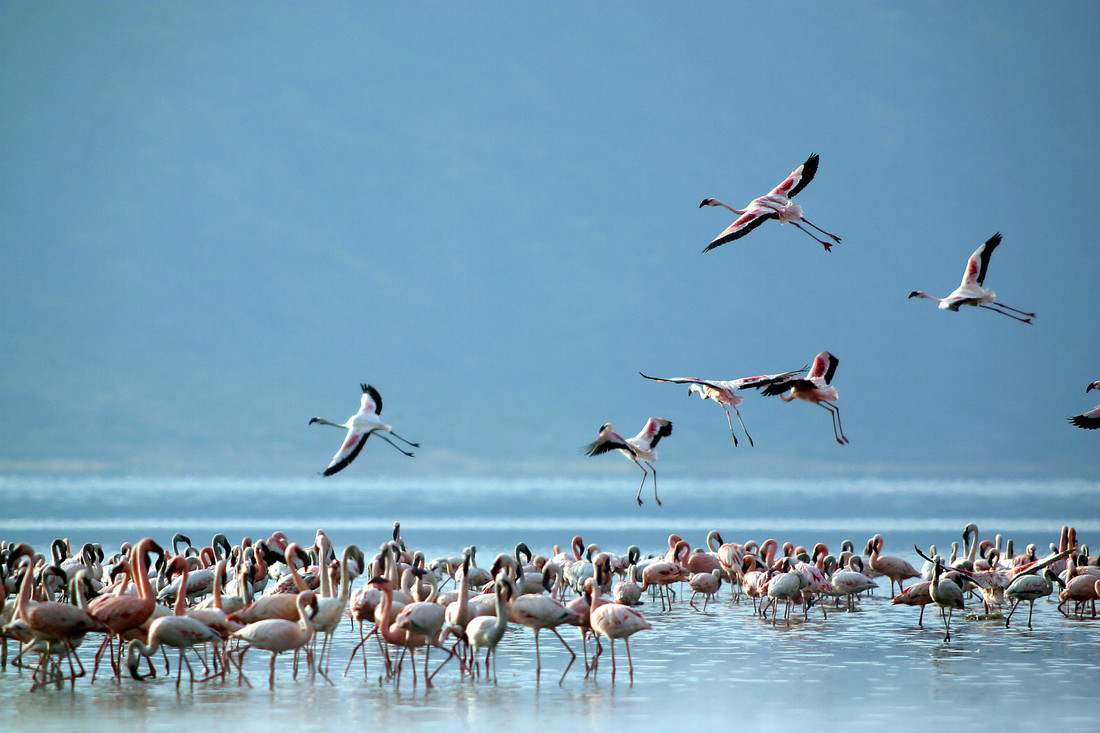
x=1091, y=419
x=776, y=205
x=971, y=292
x=642, y=447
x=361, y=426
x=814, y=388
x=725, y=392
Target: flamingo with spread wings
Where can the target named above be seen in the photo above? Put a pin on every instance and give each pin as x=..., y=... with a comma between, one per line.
x=775, y=205
x=970, y=291
x=361, y=426
x=642, y=447
x=815, y=387
x=724, y=392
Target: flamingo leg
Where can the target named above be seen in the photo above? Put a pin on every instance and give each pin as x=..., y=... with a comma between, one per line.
x=572, y=659
x=655, y=497
x=742, y=426
x=838, y=431
x=395, y=445
x=405, y=440
x=827, y=234
x=828, y=247
x=642, y=485
x=1014, y=310
x=995, y=310
x=730, y=421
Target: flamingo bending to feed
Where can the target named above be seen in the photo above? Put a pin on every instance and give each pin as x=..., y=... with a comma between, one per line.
x=725, y=392
x=1089, y=420
x=361, y=426
x=775, y=205
x=642, y=447
x=971, y=292
x=815, y=388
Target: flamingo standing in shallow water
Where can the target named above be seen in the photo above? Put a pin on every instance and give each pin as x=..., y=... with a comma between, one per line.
x=1091, y=419
x=277, y=635
x=614, y=621
x=815, y=388
x=725, y=392
x=971, y=292
x=775, y=205
x=361, y=426
x=642, y=447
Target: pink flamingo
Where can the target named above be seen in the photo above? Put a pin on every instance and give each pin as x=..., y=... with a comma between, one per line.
x=814, y=388
x=971, y=292
x=124, y=613
x=642, y=447
x=896, y=569
x=277, y=635
x=614, y=621
x=775, y=205
x=725, y=392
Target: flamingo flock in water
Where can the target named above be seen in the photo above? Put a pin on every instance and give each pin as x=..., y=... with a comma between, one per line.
x=402, y=606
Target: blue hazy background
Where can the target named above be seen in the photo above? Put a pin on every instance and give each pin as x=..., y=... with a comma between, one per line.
x=217, y=219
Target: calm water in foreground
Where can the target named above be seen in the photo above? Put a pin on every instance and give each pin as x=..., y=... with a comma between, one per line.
x=727, y=667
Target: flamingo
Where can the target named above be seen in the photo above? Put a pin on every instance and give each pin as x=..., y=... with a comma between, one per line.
x=642, y=447
x=775, y=205
x=123, y=613
x=897, y=569
x=361, y=426
x=614, y=621
x=706, y=583
x=1030, y=588
x=180, y=631
x=815, y=388
x=971, y=292
x=947, y=595
x=1091, y=419
x=485, y=632
x=277, y=635
x=537, y=612
x=725, y=392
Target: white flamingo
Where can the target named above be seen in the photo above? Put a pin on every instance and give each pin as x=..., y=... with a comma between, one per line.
x=775, y=205
x=642, y=447
x=361, y=426
x=971, y=292
x=724, y=392
x=816, y=388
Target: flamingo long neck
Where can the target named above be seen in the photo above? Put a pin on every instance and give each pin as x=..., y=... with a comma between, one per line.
x=181, y=593
x=139, y=571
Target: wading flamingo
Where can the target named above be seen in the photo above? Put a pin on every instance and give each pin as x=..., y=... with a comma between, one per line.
x=725, y=392
x=971, y=292
x=775, y=205
x=815, y=388
x=361, y=426
x=614, y=621
x=277, y=635
x=642, y=447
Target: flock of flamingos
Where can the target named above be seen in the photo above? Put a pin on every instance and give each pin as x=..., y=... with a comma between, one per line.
x=215, y=604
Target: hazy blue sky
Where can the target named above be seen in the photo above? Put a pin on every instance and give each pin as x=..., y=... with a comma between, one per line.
x=216, y=219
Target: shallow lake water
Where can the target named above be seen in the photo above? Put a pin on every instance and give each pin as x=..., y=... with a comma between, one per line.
x=726, y=667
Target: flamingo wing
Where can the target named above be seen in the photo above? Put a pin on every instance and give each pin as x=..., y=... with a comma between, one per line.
x=353, y=444
x=688, y=380
x=1089, y=420
x=655, y=429
x=824, y=367
x=608, y=441
x=371, y=402
x=799, y=178
x=778, y=388
x=754, y=217
x=766, y=379
x=978, y=263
